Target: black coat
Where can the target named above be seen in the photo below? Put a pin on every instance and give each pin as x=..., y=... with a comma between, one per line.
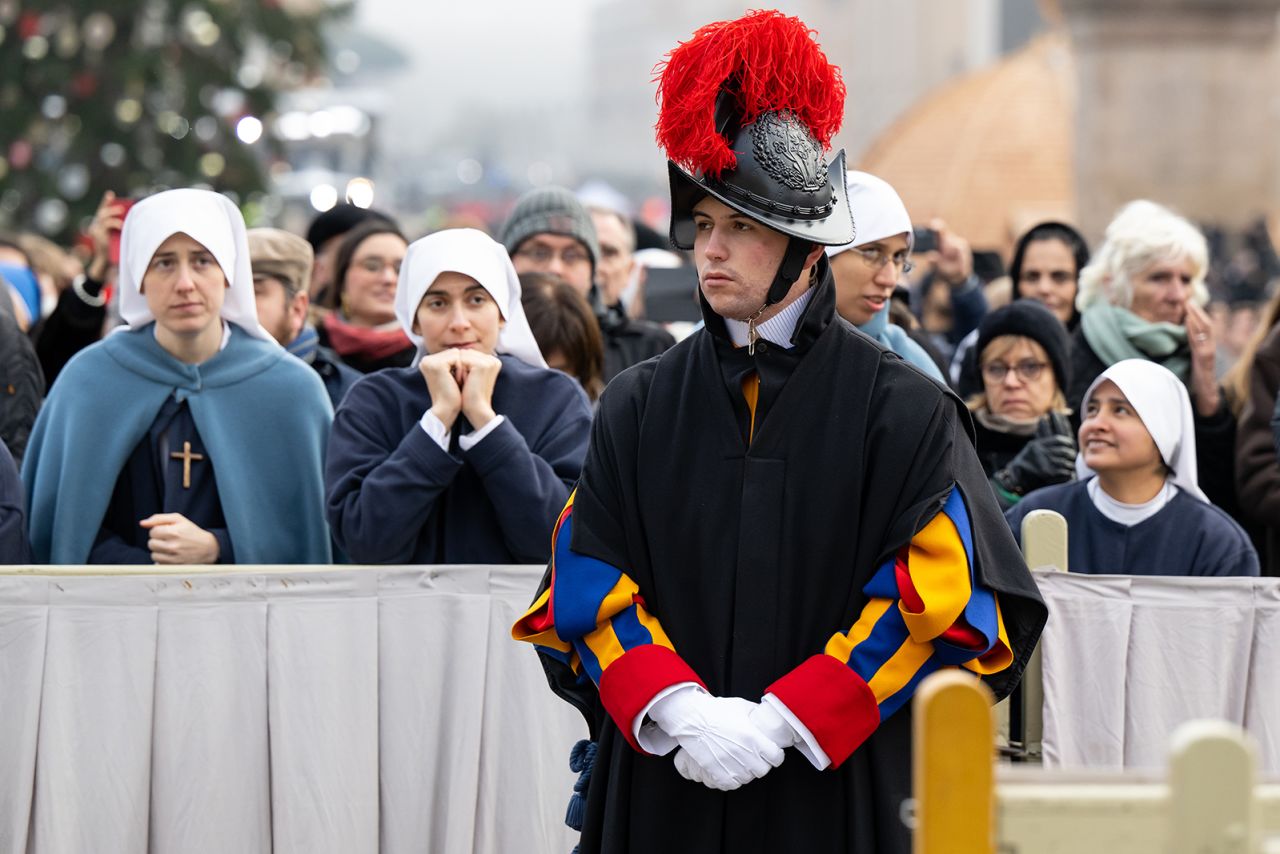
x=628, y=342
x=751, y=557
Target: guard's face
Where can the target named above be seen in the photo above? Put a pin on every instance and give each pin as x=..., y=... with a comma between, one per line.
x=457, y=312
x=1113, y=438
x=736, y=257
x=184, y=286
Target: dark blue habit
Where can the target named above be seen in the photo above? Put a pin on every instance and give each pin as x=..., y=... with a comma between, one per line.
x=1185, y=537
x=14, y=547
x=152, y=481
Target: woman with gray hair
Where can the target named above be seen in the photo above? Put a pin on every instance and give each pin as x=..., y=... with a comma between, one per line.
x=1142, y=296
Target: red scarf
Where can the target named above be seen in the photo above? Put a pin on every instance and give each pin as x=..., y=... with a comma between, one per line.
x=364, y=342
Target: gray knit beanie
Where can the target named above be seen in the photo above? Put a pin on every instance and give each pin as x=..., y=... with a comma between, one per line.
x=550, y=210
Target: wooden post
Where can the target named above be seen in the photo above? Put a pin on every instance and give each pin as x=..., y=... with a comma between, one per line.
x=1044, y=545
x=1213, y=808
x=953, y=766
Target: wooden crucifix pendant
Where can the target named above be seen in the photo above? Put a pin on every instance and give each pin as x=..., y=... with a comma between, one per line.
x=186, y=456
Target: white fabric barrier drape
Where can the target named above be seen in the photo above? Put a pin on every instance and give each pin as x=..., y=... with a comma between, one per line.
x=274, y=710
x=1127, y=659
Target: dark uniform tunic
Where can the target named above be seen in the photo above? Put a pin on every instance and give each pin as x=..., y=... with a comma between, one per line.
x=152, y=482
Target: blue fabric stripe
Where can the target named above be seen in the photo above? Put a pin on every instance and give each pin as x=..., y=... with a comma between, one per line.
x=884, y=584
x=888, y=634
x=959, y=515
x=630, y=632
x=980, y=610
x=581, y=584
x=895, y=701
x=590, y=664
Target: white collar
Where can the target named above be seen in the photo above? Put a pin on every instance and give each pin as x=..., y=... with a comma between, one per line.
x=1129, y=514
x=776, y=330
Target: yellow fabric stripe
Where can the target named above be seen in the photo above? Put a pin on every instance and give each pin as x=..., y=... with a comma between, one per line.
x=655, y=628
x=603, y=640
x=751, y=392
x=617, y=600
x=899, y=669
x=1000, y=656
x=604, y=645
x=939, y=571
x=547, y=637
x=841, y=646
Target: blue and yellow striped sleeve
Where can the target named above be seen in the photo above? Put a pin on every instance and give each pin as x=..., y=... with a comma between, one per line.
x=926, y=610
x=593, y=618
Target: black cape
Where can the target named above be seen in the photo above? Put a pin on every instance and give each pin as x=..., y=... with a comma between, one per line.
x=752, y=557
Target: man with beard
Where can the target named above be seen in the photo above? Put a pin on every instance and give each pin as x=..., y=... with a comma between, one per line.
x=282, y=265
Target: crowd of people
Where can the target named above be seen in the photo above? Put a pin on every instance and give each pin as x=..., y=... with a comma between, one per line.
x=188, y=390
x=1025, y=357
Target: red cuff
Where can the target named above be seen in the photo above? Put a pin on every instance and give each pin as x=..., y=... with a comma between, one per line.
x=628, y=684
x=833, y=702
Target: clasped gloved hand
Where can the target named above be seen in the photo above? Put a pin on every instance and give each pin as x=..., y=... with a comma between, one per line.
x=1049, y=457
x=720, y=746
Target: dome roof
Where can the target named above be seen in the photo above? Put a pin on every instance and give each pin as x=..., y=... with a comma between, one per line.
x=990, y=153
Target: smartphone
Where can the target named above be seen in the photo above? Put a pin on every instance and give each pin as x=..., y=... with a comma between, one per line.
x=926, y=239
x=122, y=206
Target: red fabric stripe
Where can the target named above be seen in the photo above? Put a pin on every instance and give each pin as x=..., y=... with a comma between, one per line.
x=906, y=587
x=833, y=702
x=628, y=684
x=962, y=634
x=541, y=621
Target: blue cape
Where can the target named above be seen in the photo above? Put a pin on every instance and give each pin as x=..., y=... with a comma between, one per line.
x=896, y=339
x=264, y=417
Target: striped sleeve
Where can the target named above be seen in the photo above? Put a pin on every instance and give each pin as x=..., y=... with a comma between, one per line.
x=925, y=611
x=593, y=618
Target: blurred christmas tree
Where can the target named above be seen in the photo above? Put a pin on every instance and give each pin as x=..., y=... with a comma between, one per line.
x=137, y=95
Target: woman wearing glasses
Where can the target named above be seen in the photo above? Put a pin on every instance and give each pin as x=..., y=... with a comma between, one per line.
x=1023, y=434
x=866, y=273
x=362, y=327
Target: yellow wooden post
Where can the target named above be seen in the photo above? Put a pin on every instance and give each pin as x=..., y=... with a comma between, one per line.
x=954, y=756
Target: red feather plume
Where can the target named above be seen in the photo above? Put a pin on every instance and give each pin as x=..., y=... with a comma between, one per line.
x=772, y=62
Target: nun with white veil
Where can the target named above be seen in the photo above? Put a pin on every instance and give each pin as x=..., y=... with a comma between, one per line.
x=188, y=436
x=1137, y=508
x=467, y=455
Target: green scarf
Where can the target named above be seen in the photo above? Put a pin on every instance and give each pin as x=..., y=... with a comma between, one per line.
x=1116, y=334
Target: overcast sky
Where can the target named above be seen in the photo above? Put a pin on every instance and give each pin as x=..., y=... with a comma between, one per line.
x=478, y=52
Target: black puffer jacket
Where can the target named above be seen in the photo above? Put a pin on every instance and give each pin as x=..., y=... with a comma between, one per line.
x=21, y=386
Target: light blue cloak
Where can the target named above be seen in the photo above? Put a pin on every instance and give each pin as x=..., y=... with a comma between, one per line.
x=264, y=418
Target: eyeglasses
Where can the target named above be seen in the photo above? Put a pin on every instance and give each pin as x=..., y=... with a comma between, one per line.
x=876, y=258
x=1027, y=371
x=543, y=255
x=375, y=264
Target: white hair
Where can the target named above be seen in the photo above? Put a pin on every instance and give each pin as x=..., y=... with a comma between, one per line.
x=1143, y=233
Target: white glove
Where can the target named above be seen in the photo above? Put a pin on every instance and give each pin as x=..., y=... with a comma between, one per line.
x=774, y=725
x=719, y=745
